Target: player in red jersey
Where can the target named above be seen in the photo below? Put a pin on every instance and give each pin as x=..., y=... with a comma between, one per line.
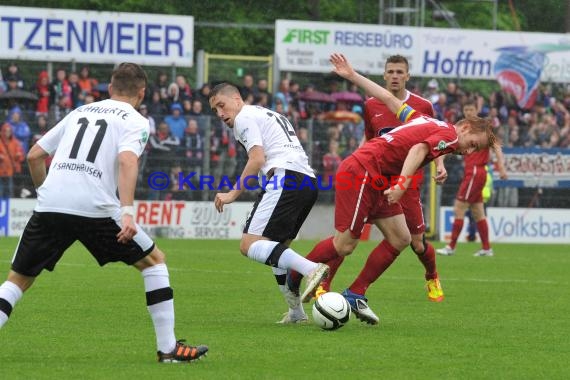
x=379, y=120
x=399, y=154
x=470, y=193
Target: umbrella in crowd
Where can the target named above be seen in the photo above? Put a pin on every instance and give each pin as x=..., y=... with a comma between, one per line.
x=347, y=96
x=316, y=96
x=18, y=95
x=340, y=116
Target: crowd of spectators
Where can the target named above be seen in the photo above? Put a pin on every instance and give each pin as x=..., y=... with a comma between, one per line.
x=186, y=138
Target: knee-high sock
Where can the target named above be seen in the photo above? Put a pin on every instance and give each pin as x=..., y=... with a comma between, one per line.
x=455, y=231
x=427, y=258
x=378, y=261
x=279, y=255
x=160, y=305
x=483, y=228
x=323, y=252
x=10, y=293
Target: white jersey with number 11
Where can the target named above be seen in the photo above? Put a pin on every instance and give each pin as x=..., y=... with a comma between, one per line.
x=83, y=175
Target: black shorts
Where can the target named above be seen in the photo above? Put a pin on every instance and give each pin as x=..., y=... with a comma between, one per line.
x=48, y=234
x=279, y=213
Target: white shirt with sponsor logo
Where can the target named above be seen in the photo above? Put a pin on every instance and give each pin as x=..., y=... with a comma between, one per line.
x=255, y=125
x=83, y=175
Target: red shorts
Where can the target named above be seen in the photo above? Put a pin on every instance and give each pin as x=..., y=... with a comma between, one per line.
x=471, y=188
x=359, y=203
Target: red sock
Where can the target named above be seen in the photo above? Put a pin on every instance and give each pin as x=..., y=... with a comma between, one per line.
x=333, y=264
x=483, y=229
x=378, y=261
x=324, y=252
x=428, y=260
x=455, y=231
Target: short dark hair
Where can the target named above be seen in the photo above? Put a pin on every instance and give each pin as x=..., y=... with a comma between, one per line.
x=469, y=102
x=224, y=88
x=397, y=58
x=128, y=78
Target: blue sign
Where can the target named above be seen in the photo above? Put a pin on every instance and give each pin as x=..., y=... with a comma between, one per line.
x=4, y=216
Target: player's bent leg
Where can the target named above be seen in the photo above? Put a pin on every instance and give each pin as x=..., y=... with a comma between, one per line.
x=23, y=282
x=395, y=229
x=344, y=243
x=279, y=255
x=11, y=292
x=324, y=252
x=155, y=257
x=426, y=254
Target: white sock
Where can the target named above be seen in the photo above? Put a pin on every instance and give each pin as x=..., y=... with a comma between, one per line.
x=291, y=259
x=162, y=313
x=10, y=293
x=294, y=308
x=260, y=251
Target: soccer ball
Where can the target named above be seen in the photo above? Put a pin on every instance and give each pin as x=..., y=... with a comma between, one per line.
x=331, y=311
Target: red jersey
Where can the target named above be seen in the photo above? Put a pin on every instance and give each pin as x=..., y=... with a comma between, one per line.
x=386, y=155
x=479, y=158
x=378, y=119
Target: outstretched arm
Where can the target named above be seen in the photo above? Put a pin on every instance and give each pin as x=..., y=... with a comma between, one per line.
x=343, y=68
x=407, y=179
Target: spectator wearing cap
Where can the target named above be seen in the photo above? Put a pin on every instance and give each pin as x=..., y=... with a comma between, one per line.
x=176, y=122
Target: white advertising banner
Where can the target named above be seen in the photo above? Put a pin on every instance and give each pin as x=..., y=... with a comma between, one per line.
x=14, y=214
x=516, y=225
x=192, y=220
x=184, y=220
x=432, y=52
x=43, y=34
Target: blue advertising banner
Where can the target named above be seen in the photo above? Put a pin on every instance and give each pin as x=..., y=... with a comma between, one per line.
x=4, y=219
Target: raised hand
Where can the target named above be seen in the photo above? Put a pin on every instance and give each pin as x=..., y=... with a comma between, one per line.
x=341, y=65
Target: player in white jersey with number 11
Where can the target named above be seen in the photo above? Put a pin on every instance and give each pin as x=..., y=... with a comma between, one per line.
x=273, y=150
x=96, y=147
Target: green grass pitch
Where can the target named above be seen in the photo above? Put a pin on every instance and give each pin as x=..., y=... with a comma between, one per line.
x=505, y=317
